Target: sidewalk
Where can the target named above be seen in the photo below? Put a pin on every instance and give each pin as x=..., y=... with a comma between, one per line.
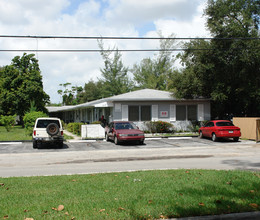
x=75, y=137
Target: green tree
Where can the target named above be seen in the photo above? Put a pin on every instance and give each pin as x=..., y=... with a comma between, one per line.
x=154, y=73
x=21, y=84
x=30, y=118
x=92, y=91
x=225, y=70
x=70, y=94
x=114, y=75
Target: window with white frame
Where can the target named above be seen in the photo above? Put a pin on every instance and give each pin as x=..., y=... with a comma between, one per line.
x=186, y=112
x=139, y=113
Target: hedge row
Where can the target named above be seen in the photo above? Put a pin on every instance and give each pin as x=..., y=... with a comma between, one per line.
x=159, y=127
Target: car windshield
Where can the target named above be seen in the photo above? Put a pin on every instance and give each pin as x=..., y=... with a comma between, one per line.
x=125, y=125
x=45, y=123
x=224, y=123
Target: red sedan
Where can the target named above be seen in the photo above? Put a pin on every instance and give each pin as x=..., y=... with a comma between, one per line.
x=120, y=131
x=220, y=129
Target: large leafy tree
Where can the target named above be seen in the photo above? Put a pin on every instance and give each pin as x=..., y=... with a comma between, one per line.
x=92, y=91
x=154, y=73
x=225, y=70
x=71, y=95
x=21, y=85
x=115, y=78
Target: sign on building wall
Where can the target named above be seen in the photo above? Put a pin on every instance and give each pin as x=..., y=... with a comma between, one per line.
x=164, y=114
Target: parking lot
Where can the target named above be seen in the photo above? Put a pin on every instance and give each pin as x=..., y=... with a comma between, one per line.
x=95, y=145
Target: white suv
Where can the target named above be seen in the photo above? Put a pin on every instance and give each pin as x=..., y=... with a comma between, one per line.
x=47, y=130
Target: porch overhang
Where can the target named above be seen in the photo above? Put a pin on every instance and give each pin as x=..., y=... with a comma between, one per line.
x=104, y=104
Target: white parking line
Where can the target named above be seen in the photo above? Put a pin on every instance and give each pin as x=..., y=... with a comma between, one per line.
x=153, y=138
x=4, y=143
x=81, y=141
x=179, y=138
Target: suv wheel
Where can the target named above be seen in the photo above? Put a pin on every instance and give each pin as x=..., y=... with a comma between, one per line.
x=60, y=145
x=34, y=144
x=52, y=129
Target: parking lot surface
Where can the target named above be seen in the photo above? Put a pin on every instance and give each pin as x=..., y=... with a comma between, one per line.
x=93, y=145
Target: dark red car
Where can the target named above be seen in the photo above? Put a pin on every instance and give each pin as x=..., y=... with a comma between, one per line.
x=220, y=129
x=120, y=131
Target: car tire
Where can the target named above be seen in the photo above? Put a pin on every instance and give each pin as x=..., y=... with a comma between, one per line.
x=52, y=129
x=214, y=137
x=200, y=134
x=141, y=142
x=115, y=140
x=60, y=145
x=236, y=139
x=39, y=145
x=35, y=145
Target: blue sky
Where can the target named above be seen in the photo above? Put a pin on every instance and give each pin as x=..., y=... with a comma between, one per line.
x=143, y=18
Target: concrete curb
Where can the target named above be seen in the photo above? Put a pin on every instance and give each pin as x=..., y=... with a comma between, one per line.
x=147, y=138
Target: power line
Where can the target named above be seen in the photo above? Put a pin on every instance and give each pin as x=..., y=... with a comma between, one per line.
x=122, y=50
x=116, y=38
x=128, y=38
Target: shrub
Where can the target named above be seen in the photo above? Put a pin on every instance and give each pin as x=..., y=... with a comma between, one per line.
x=75, y=127
x=159, y=127
x=96, y=122
x=8, y=121
x=194, y=127
x=29, y=120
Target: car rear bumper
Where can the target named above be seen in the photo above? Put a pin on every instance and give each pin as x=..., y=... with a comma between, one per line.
x=228, y=135
x=48, y=139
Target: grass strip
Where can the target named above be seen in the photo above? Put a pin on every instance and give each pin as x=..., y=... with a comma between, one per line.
x=17, y=133
x=134, y=195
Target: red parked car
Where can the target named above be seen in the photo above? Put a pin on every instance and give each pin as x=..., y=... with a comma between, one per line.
x=220, y=129
x=120, y=131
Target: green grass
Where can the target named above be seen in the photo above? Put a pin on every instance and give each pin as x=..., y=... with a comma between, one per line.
x=134, y=195
x=67, y=137
x=17, y=133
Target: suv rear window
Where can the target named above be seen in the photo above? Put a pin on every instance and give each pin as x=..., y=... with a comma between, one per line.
x=45, y=123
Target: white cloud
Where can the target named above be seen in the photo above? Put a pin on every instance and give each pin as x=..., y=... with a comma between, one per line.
x=138, y=12
x=92, y=18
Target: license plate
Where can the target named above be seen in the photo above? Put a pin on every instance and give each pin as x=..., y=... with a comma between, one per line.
x=230, y=132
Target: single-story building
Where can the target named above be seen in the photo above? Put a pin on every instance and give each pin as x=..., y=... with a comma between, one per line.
x=138, y=106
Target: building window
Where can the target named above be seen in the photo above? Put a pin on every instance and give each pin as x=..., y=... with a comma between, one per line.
x=133, y=113
x=186, y=112
x=139, y=113
x=146, y=113
x=181, y=112
x=192, y=112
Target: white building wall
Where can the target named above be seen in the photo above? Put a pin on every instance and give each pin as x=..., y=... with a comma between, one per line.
x=124, y=112
x=155, y=113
